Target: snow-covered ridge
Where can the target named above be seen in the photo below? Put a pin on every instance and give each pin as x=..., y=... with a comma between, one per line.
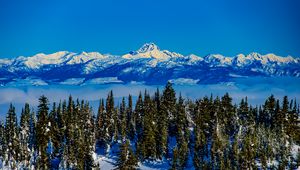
x=149, y=64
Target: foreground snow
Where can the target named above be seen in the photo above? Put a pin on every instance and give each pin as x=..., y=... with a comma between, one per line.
x=108, y=163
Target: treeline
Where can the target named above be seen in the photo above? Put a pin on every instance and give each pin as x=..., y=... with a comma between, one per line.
x=209, y=133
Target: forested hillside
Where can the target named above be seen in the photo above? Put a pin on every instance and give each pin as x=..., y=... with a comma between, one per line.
x=209, y=133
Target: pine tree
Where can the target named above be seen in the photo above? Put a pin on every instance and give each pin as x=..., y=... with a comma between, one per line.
x=243, y=112
x=11, y=138
x=199, y=148
x=70, y=122
x=101, y=124
x=138, y=114
x=126, y=158
x=157, y=116
x=284, y=112
x=42, y=133
x=61, y=125
x=298, y=159
x=123, y=119
x=268, y=111
x=2, y=141
x=32, y=132
x=168, y=105
x=183, y=151
x=89, y=137
x=292, y=126
x=247, y=155
x=24, y=135
x=55, y=136
x=182, y=132
x=130, y=120
x=111, y=118
x=166, y=125
x=227, y=115
x=79, y=135
x=149, y=130
x=175, y=160
x=235, y=152
x=181, y=120
x=132, y=161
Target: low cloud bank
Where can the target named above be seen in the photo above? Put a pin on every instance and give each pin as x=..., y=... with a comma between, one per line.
x=256, y=89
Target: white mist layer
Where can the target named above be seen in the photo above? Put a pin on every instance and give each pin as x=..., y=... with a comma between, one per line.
x=256, y=89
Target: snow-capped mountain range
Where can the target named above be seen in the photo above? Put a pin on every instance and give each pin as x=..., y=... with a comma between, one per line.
x=148, y=64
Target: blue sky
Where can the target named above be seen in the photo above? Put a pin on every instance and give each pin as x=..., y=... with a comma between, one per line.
x=117, y=26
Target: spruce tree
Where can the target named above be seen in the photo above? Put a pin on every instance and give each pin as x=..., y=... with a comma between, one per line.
x=55, y=137
x=110, y=118
x=42, y=133
x=268, y=111
x=157, y=116
x=149, y=129
x=181, y=120
x=138, y=114
x=89, y=137
x=123, y=120
x=167, y=119
x=199, y=148
x=12, y=138
x=235, y=152
x=101, y=124
x=182, y=132
x=61, y=126
x=24, y=135
x=292, y=126
x=175, y=165
x=130, y=120
x=243, y=112
x=284, y=112
x=2, y=141
x=168, y=105
x=32, y=132
x=227, y=115
x=126, y=159
x=70, y=123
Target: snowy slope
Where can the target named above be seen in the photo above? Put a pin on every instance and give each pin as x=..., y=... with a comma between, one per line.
x=148, y=64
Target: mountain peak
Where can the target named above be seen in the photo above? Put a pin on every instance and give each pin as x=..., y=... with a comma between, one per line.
x=148, y=47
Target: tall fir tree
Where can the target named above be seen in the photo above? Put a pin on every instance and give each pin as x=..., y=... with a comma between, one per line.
x=55, y=136
x=148, y=142
x=110, y=118
x=292, y=124
x=2, y=140
x=89, y=137
x=130, y=120
x=101, y=124
x=32, y=132
x=227, y=115
x=138, y=114
x=123, y=120
x=126, y=158
x=25, y=136
x=42, y=133
x=182, y=132
x=12, y=138
x=167, y=118
x=268, y=111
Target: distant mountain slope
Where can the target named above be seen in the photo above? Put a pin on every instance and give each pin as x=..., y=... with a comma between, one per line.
x=148, y=64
